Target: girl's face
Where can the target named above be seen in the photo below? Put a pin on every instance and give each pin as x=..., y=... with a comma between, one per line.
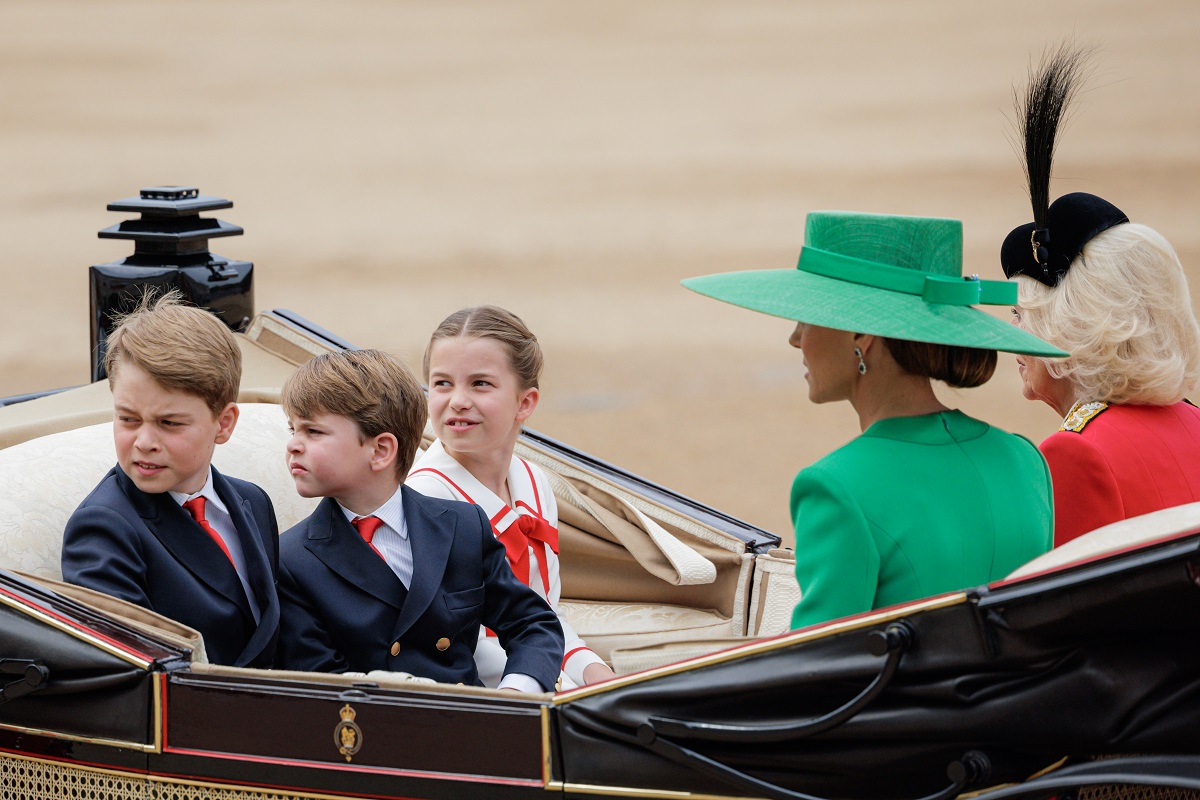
x=829, y=356
x=476, y=403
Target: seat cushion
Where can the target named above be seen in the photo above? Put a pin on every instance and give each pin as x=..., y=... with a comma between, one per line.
x=45, y=479
x=605, y=626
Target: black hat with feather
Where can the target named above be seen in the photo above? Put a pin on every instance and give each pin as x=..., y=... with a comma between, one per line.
x=1045, y=248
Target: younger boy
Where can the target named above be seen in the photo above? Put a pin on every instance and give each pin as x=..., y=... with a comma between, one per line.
x=164, y=529
x=380, y=577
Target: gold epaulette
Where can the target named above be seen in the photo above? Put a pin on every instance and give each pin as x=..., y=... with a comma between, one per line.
x=1080, y=415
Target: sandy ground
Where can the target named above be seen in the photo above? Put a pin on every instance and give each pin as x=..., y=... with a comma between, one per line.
x=393, y=161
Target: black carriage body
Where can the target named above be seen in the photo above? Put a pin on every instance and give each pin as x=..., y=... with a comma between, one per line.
x=989, y=687
x=994, y=686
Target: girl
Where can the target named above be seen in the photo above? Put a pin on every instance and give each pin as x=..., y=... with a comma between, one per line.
x=482, y=367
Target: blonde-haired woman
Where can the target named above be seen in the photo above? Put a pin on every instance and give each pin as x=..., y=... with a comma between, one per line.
x=1114, y=295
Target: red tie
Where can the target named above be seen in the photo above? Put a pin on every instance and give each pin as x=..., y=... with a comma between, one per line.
x=195, y=506
x=366, y=527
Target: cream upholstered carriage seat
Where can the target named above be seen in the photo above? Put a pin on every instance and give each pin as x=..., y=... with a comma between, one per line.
x=43, y=480
x=1118, y=536
x=633, y=574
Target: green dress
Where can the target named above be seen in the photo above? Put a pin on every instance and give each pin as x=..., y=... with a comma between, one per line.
x=916, y=506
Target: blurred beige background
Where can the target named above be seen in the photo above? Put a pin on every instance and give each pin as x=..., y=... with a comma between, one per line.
x=394, y=161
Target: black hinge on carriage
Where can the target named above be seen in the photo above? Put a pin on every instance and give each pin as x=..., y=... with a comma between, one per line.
x=34, y=676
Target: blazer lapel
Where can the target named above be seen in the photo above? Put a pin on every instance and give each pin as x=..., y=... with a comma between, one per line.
x=185, y=541
x=333, y=540
x=431, y=535
x=261, y=573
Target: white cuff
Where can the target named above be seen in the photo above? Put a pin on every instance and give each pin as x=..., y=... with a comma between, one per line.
x=522, y=683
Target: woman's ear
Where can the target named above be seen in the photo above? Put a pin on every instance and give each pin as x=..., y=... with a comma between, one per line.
x=384, y=450
x=864, y=341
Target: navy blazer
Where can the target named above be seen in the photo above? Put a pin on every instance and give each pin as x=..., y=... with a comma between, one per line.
x=345, y=610
x=145, y=548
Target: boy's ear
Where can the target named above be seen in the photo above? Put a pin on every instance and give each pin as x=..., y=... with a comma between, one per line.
x=527, y=402
x=226, y=421
x=384, y=449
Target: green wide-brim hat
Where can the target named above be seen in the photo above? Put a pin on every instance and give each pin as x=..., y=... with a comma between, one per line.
x=899, y=277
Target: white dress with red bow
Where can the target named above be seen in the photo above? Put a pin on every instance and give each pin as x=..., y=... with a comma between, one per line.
x=529, y=532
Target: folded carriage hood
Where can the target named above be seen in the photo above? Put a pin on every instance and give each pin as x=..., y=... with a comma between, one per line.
x=987, y=686
x=70, y=672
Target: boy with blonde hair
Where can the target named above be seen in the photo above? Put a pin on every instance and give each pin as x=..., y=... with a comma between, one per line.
x=380, y=577
x=164, y=529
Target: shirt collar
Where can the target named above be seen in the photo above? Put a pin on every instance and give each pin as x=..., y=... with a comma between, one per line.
x=208, y=492
x=391, y=512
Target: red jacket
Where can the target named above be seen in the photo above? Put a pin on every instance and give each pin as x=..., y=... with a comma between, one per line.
x=1111, y=462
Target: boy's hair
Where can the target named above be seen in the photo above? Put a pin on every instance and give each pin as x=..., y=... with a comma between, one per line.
x=493, y=322
x=181, y=347
x=372, y=388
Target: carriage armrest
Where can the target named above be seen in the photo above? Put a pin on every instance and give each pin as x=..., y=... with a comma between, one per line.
x=1119, y=536
x=134, y=616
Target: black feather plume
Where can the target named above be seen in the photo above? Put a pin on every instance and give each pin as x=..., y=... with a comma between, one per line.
x=1051, y=89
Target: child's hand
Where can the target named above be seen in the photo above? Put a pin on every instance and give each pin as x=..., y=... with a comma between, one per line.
x=594, y=673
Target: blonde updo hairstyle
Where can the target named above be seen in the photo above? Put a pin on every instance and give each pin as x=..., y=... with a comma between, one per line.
x=1124, y=313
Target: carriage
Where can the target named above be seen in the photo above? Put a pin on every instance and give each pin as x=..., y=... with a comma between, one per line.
x=1079, y=673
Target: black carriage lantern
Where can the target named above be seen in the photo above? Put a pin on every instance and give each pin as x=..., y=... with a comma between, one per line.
x=170, y=252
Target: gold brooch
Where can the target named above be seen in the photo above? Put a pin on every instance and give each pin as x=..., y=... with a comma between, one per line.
x=347, y=735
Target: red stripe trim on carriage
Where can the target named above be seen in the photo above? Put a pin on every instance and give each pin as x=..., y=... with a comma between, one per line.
x=460, y=777
x=162, y=711
x=444, y=477
x=239, y=783
x=70, y=623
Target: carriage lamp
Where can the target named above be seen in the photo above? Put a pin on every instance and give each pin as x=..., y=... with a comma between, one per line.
x=170, y=251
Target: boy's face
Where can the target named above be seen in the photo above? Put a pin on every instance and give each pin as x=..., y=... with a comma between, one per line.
x=329, y=457
x=164, y=437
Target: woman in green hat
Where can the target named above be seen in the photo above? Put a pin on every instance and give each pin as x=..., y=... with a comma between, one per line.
x=927, y=500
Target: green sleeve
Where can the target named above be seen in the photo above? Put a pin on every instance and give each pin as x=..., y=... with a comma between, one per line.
x=837, y=563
